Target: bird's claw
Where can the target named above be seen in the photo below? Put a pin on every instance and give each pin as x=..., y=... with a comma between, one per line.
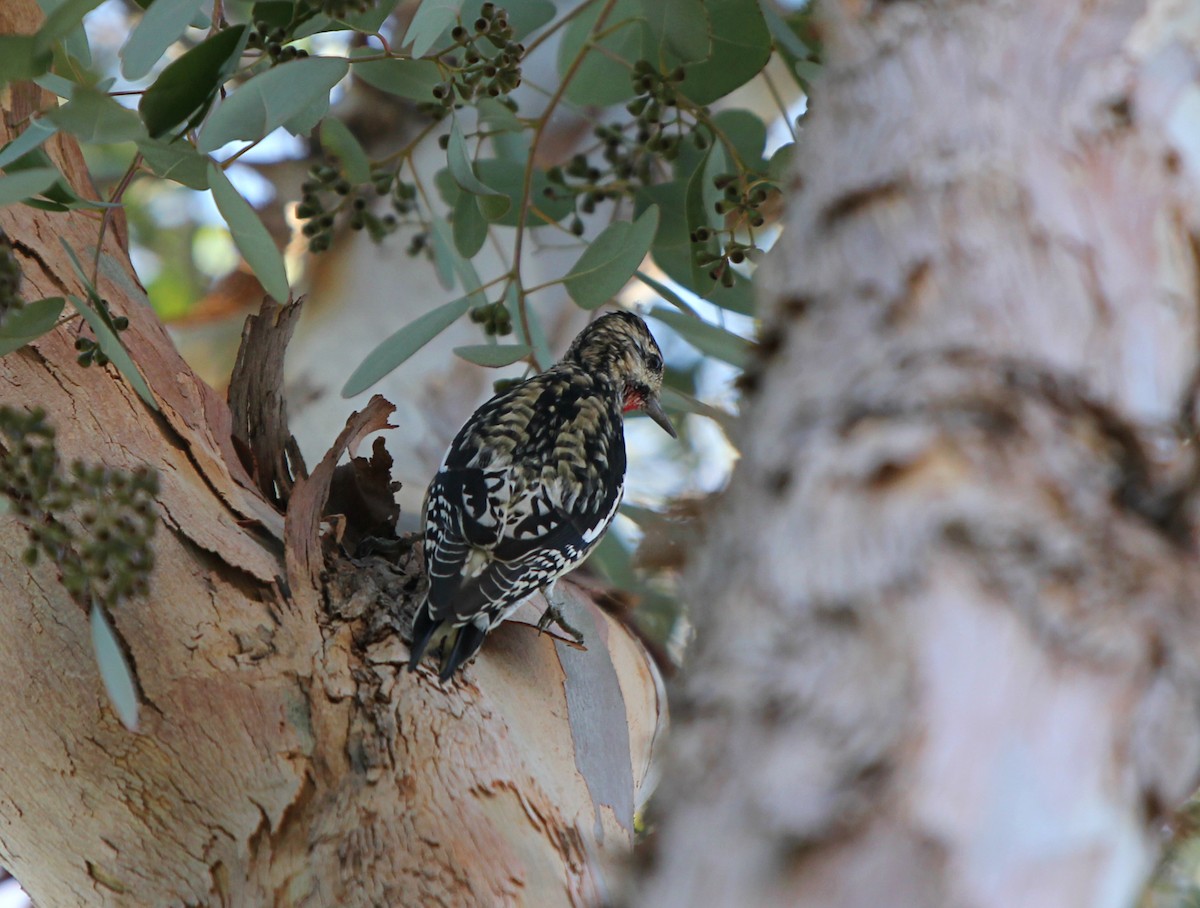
x=554, y=615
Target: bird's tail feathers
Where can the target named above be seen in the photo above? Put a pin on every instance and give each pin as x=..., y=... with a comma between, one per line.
x=423, y=631
x=466, y=644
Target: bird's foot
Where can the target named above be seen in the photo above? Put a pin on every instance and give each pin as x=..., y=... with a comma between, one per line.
x=554, y=615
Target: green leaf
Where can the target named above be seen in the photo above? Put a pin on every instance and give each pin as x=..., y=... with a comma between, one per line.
x=444, y=254
x=448, y=257
x=493, y=356
x=56, y=84
x=337, y=139
x=675, y=401
x=611, y=259
x=673, y=251
x=306, y=120
x=270, y=99
x=412, y=79
x=508, y=177
x=188, y=85
x=746, y=132
x=470, y=226
x=507, y=134
x=496, y=117
x=162, y=24
x=741, y=48
x=62, y=18
x=702, y=194
x=666, y=293
x=274, y=13
x=603, y=77
x=403, y=344
x=251, y=237
x=526, y=16
x=111, y=346
x=22, y=57
x=780, y=168
x=432, y=18
x=177, y=161
x=706, y=337
x=786, y=34
x=492, y=203
x=29, y=323
x=37, y=132
x=679, y=26
x=16, y=187
x=92, y=116
x=114, y=670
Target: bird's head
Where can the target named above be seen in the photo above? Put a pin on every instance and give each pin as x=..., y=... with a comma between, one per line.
x=619, y=345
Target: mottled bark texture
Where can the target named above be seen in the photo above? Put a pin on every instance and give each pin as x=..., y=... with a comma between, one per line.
x=948, y=628
x=284, y=757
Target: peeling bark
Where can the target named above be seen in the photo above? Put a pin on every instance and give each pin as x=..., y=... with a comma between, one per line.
x=284, y=757
x=948, y=650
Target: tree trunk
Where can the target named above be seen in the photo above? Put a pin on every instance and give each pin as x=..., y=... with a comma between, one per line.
x=283, y=755
x=947, y=635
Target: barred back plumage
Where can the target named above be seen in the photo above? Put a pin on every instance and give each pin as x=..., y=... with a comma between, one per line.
x=531, y=483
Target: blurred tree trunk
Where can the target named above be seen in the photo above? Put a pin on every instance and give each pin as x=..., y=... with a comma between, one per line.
x=948, y=631
x=283, y=757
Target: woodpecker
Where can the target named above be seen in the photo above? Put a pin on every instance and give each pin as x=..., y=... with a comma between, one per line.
x=530, y=485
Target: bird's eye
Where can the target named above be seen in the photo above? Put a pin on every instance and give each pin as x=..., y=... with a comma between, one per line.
x=654, y=362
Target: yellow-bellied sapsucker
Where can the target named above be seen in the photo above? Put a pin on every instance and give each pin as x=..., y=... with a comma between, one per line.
x=530, y=484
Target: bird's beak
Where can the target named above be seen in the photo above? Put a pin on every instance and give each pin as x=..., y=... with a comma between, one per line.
x=655, y=411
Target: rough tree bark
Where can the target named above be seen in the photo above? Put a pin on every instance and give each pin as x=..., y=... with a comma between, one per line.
x=283, y=758
x=948, y=642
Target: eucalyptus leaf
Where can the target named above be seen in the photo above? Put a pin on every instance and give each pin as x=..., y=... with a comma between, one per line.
x=37, y=132
x=470, y=226
x=443, y=239
x=337, y=139
x=675, y=401
x=115, y=671
x=63, y=18
x=611, y=260
x=412, y=79
x=403, y=344
x=674, y=252
x=161, y=25
x=305, y=121
x=492, y=203
x=786, y=34
x=497, y=117
x=17, y=187
x=432, y=18
x=177, y=161
x=251, y=237
x=92, y=116
x=185, y=89
x=703, y=193
x=493, y=356
x=680, y=27
x=29, y=323
x=741, y=47
x=111, y=346
x=706, y=337
x=22, y=57
x=445, y=253
x=746, y=132
x=780, y=167
x=508, y=177
x=667, y=294
x=526, y=16
x=602, y=78
x=270, y=99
